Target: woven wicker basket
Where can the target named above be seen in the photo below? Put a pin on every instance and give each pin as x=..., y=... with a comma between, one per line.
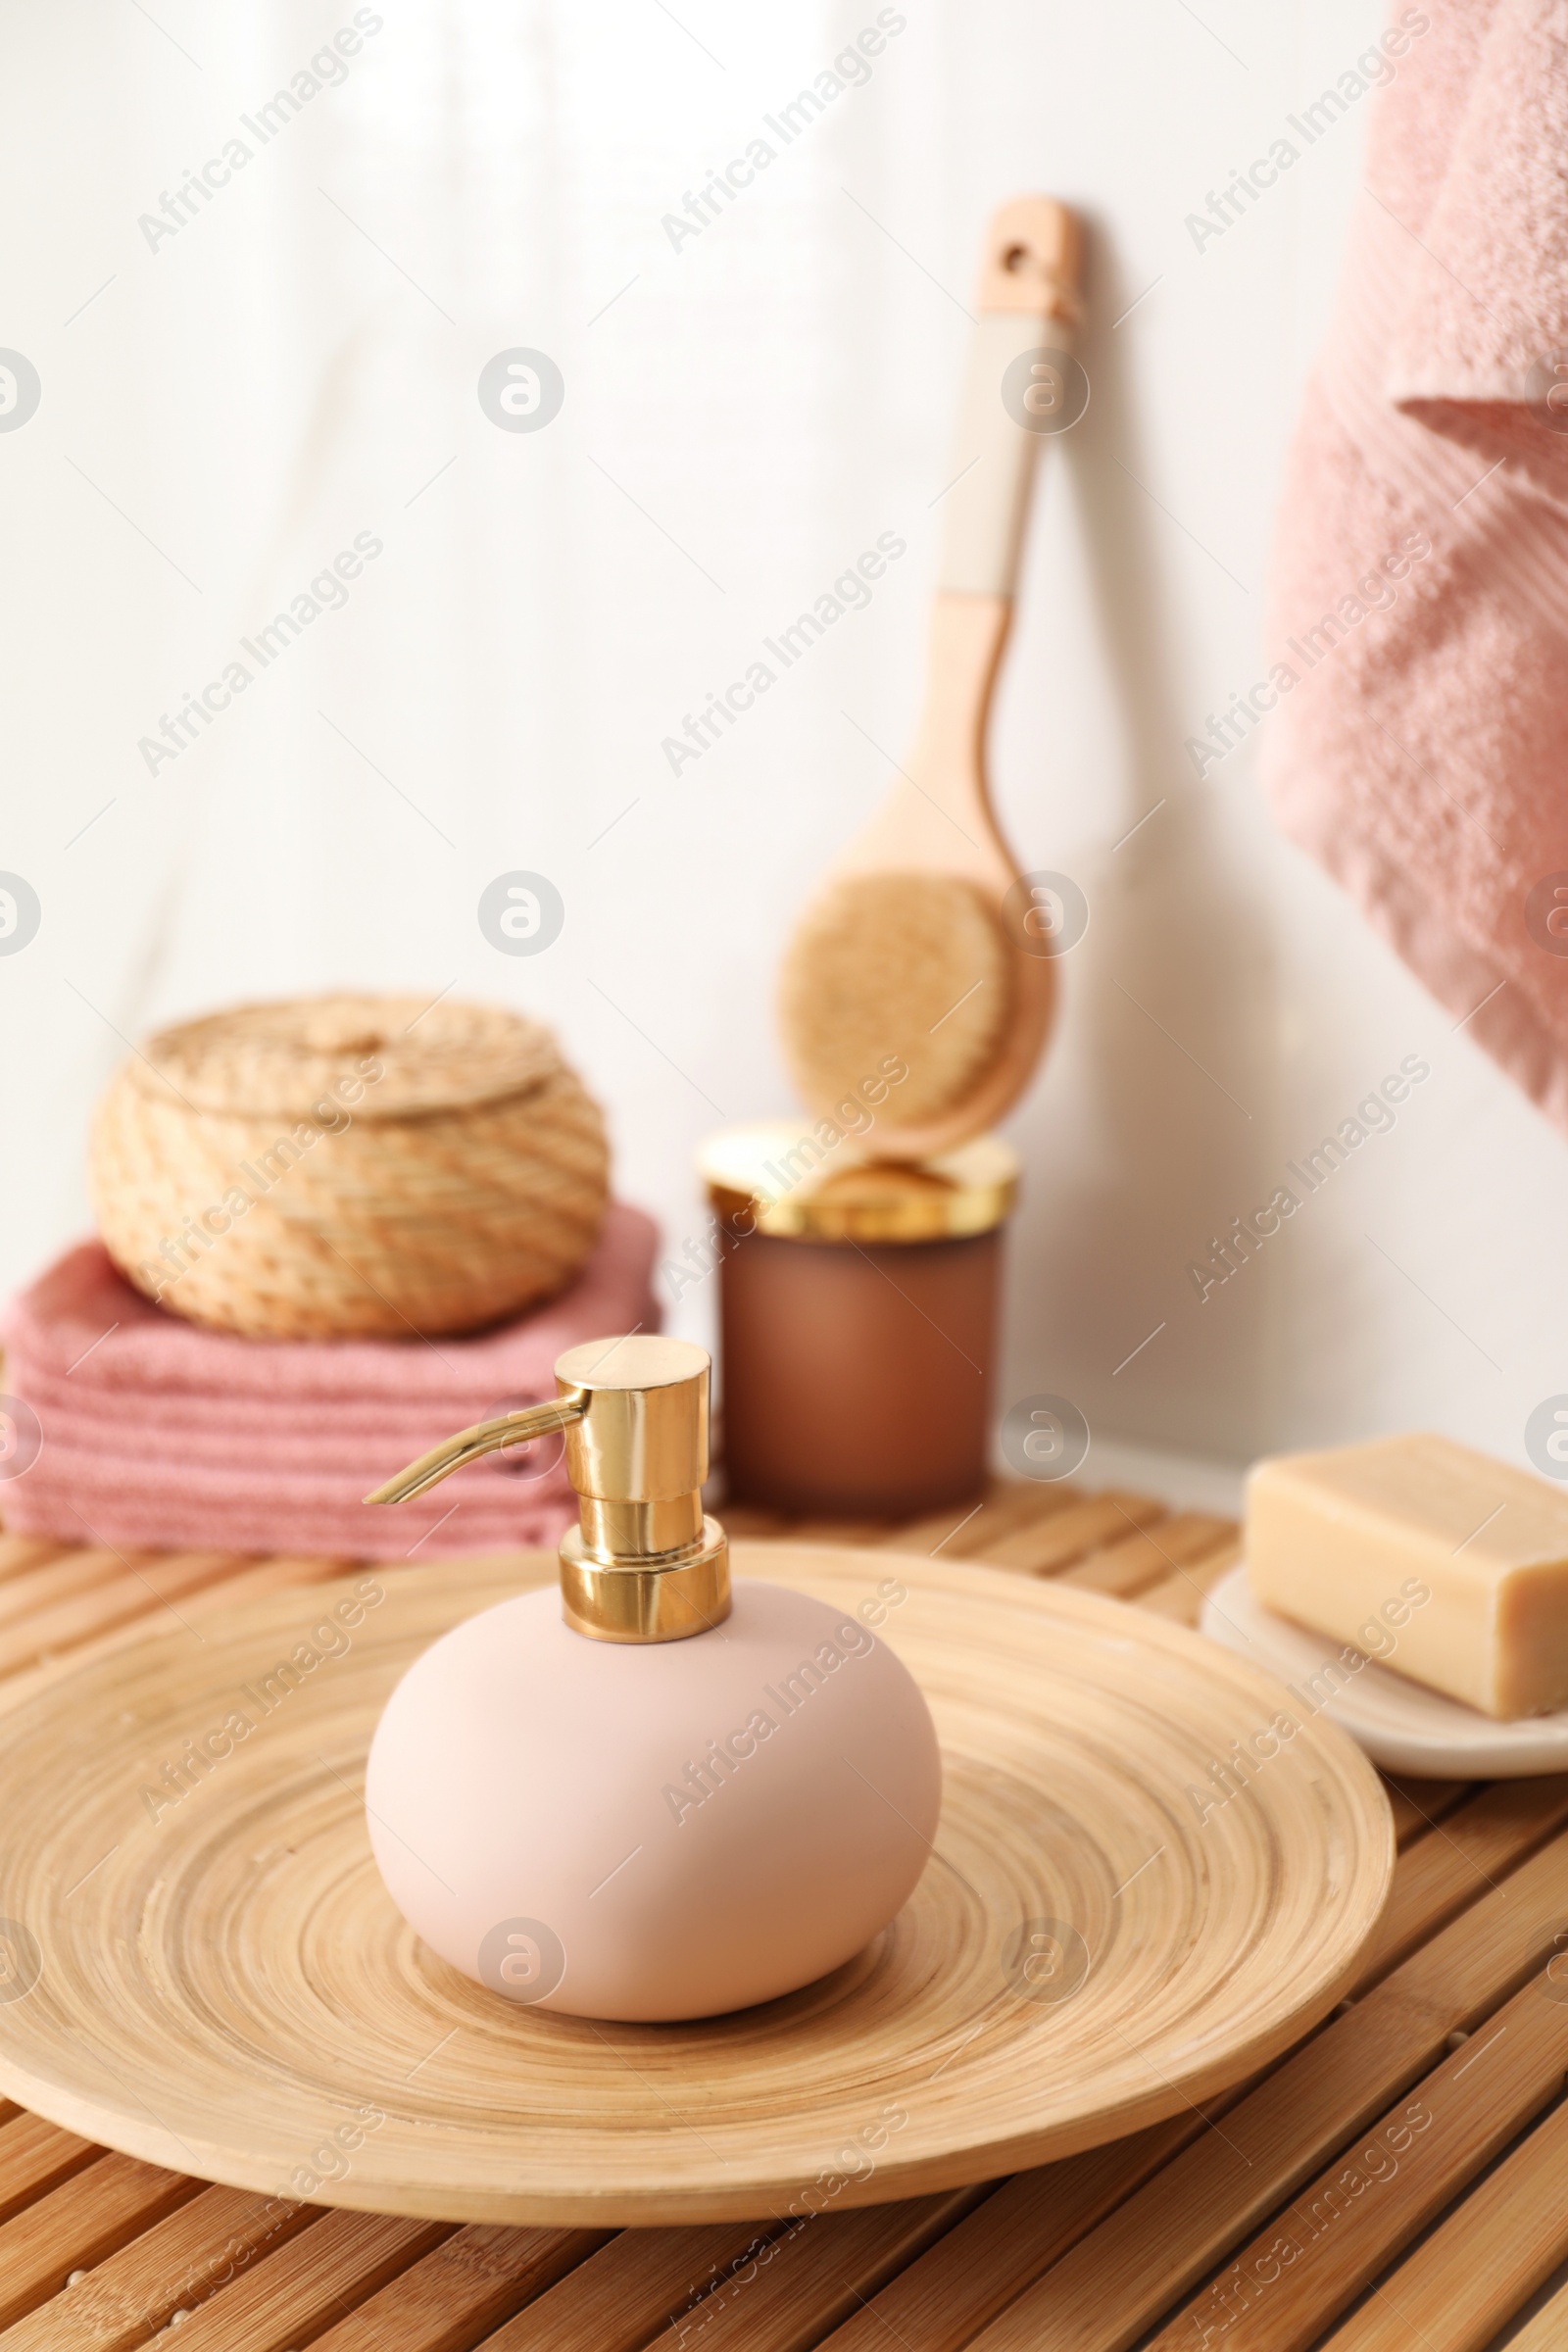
x=349, y=1165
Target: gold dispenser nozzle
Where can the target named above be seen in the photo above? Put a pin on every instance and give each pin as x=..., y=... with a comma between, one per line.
x=644, y=1562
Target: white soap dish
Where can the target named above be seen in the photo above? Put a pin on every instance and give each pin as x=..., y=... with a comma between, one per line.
x=1402, y=1727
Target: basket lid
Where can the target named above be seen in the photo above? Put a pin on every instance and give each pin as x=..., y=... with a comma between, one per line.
x=401, y=1056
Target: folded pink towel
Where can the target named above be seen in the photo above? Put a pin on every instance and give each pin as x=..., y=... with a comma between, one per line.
x=1419, y=612
x=157, y=1435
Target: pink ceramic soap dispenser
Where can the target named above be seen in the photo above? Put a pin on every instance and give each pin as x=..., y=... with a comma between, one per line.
x=646, y=1795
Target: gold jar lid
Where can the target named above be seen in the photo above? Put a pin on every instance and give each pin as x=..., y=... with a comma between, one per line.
x=778, y=1177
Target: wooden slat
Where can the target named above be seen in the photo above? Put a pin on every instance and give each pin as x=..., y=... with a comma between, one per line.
x=279, y=1573
x=1045, y=1547
x=173, y=2267
x=1487, y=2260
x=820, y=2270
x=1546, y=2330
x=1134, y=1561
x=835, y=1531
x=461, y=2290
x=316, y=2278
x=83, y=2223
x=1312, y=2260
x=1419, y=1805
x=634, y=2287
x=964, y=1529
x=250, y=1581
x=36, y=2157
x=1160, y=2242
x=19, y=1554
x=143, y=1586
x=939, y=2303
x=1459, y=1860
x=1180, y=1594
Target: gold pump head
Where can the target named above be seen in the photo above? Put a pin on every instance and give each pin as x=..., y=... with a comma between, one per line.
x=644, y=1563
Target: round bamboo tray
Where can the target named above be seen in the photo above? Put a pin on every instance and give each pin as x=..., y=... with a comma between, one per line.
x=349, y=1166
x=1097, y=1942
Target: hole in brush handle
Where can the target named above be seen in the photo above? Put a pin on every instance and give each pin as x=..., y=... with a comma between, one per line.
x=1032, y=259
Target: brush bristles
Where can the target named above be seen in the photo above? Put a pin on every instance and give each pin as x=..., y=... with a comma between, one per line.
x=896, y=968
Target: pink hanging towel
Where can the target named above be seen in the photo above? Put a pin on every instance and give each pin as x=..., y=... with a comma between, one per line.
x=1419, y=607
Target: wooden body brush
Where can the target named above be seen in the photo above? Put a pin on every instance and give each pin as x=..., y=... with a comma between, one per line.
x=912, y=950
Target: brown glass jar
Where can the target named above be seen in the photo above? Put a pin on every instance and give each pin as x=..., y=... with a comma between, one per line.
x=858, y=1316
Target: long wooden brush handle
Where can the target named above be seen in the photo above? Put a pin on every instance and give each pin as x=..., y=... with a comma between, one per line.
x=1027, y=304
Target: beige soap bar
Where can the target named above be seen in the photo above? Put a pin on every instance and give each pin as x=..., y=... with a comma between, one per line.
x=1443, y=1564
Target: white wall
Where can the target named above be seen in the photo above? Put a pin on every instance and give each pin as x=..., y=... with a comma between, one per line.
x=299, y=362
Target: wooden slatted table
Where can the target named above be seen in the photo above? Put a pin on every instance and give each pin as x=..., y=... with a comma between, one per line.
x=1396, y=2183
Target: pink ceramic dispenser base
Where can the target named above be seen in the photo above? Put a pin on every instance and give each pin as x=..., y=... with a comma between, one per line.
x=654, y=1832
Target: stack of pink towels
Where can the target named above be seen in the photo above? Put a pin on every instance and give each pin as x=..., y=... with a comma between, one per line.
x=157, y=1435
